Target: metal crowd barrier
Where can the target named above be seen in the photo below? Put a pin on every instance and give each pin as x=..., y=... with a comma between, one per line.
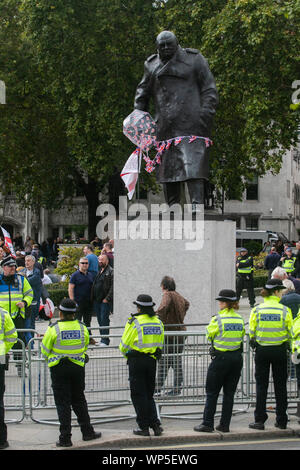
x=181, y=377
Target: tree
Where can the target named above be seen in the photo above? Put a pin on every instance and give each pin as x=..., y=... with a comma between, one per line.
x=251, y=46
x=71, y=70
x=91, y=54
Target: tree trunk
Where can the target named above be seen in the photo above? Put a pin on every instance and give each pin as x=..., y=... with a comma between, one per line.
x=91, y=193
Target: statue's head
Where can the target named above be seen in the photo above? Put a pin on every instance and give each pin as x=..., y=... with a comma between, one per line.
x=167, y=44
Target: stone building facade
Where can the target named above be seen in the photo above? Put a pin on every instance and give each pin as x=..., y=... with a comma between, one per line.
x=271, y=202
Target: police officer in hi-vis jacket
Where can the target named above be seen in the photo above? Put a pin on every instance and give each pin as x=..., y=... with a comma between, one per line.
x=64, y=348
x=141, y=344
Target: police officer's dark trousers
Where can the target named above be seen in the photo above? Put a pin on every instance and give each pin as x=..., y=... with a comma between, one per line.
x=3, y=428
x=245, y=281
x=142, y=371
x=265, y=357
x=224, y=372
x=68, y=383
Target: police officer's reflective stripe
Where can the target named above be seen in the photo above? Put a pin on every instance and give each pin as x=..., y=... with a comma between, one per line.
x=2, y=322
x=272, y=339
x=28, y=293
x=20, y=284
x=14, y=299
x=141, y=344
x=2, y=356
x=45, y=349
x=9, y=340
x=125, y=345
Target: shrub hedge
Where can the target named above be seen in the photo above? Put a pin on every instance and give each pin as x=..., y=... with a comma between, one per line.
x=57, y=292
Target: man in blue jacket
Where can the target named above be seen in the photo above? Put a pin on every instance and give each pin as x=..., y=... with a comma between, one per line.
x=272, y=261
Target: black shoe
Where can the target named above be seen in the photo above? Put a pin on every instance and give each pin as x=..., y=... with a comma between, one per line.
x=65, y=443
x=4, y=445
x=203, y=428
x=259, y=426
x=157, y=429
x=222, y=428
x=90, y=437
x=280, y=426
x=141, y=432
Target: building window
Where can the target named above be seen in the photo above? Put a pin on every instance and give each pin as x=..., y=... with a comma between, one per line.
x=251, y=223
x=252, y=189
x=288, y=189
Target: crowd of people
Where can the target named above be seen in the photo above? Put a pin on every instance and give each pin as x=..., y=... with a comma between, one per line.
x=278, y=255
x=91, y=285
x=274, y=328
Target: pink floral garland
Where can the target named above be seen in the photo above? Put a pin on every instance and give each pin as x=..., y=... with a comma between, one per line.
x=165, y=145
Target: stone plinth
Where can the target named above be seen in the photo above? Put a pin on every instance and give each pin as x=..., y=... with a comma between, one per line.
x=200, y=271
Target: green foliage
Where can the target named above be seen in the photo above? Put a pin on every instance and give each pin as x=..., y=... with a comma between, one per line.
x=253, y=247
x=259, y=259
x=251, y=46
x=69, y=259
x=57, y=292
x=71, y=68
x=260, y=278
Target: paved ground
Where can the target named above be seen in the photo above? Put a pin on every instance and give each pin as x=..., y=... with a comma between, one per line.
x=29, y=435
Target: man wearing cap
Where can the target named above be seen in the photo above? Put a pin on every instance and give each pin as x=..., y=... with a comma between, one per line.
x=225, y=332
x=270, y=327
x=16, y=296
x=288, y=261
x=244, y=264
x=141, y=344
x=64, y=347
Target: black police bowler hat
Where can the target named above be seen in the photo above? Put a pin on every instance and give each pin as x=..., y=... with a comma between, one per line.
x=227, y=295
x=274, y=284
x=144, y=300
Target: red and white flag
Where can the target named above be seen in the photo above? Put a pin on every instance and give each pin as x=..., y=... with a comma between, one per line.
x=130, y=172
x=8, y=242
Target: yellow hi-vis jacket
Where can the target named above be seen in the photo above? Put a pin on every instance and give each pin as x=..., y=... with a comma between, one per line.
x=65, y=339
x=296, y=334
x=288, y=264
x=270, y=322
x=245, y=265
x=8, y=334
x=226, y=330
x=11, y=294
x=143, y=333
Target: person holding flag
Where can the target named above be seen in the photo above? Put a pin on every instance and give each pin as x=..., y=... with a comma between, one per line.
x=7, y=244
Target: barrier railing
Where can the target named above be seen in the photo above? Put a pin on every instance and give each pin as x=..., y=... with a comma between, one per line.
x=181, y=376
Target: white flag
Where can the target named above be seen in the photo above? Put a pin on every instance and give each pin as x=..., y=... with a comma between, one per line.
x=8, y=242
x=130, y=172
